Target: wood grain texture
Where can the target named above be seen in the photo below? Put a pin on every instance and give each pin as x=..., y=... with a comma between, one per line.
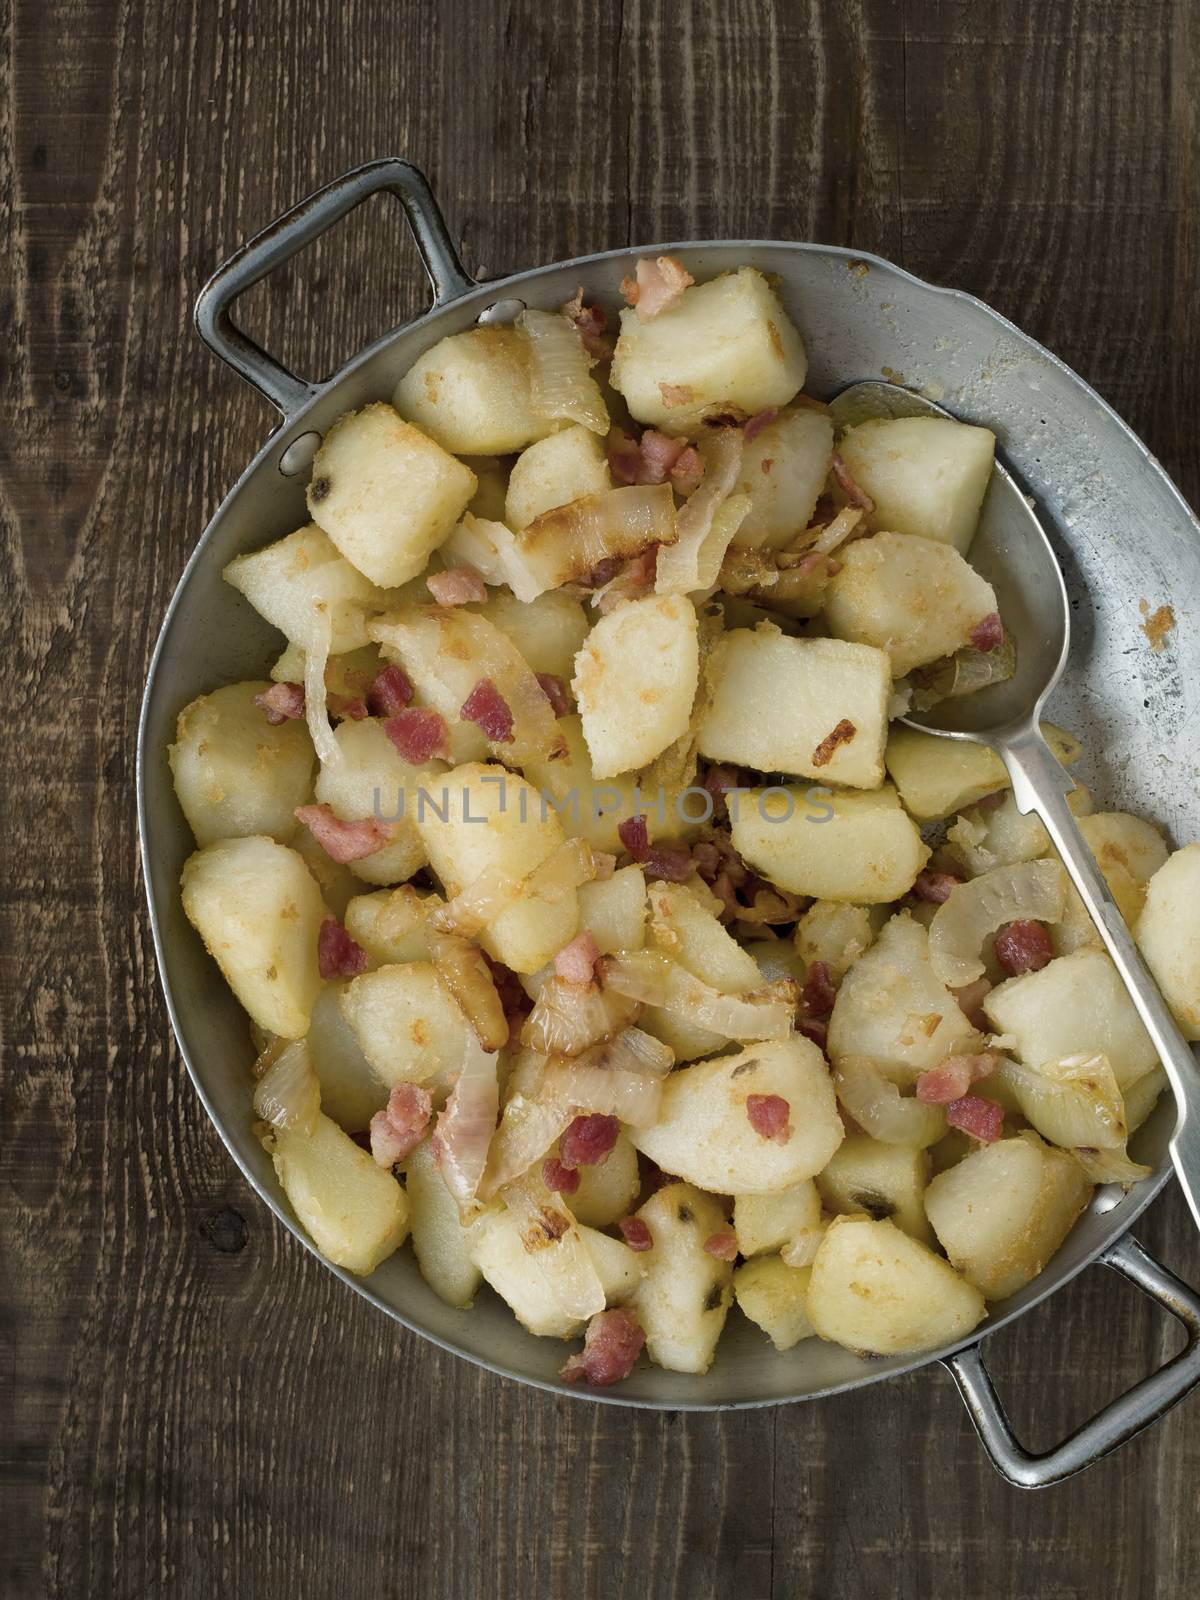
x=190, y=1405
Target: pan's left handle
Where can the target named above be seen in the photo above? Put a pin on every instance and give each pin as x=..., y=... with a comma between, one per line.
x=290, y=233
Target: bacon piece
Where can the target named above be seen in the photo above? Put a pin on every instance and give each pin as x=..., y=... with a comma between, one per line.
x=759, y=421
x=819, y=991
x=457, y=586
x=419, y=734
x=845, y=482
x=591, y=323
x=981, y=1119
x=486, y=706
x=841, y=734
x=588, y=1141
x=557, y=1178
x=936, y=887
x=611, y=1345
x=603, y=572
x=338, y=955
x=555, y=691
x=719, y=781
x=988, y=632
x=688, y=471
x=635, y=836
x=399, y=1128
x=576, y=962
x=636, y=1234
x=282, y=702
x=768, y=1114
x=951, y=1078
x=666, y=865
x=658, y=286
x=659, y=453
x=970, y=1001
x=1023, y=946
x=814, y=1028
x=723, y=1245
x=345, y=841
x=346, y=707
x=632, y=580
x=390, y=692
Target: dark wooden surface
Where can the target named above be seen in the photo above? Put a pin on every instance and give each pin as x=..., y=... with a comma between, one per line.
x=191, y=1406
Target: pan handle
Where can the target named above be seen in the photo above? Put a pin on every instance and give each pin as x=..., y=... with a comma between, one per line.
x=1121, y=1420
x=288, y=234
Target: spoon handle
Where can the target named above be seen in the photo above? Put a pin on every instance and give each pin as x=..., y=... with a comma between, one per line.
x=1040, y=784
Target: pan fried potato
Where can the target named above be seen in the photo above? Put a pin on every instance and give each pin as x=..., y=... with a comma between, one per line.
x=438, y=1237
x=765, y=1223
x=529, y=1281
x=355, y=1213
x=301, y=578
x=937, y=777
x=884, y=1180
x=471, y=393
x=554, y=471
x=1168, y=932
x=613, y=910
x=337, y=883
x=687, y=931
x=373, y=780
x=234, y=773
x=727, y=345
x=1002, y=1212
x=817, y=708
x=704, y=1133
x=351, y=1090
x=837, y=933
x=1128, y=851
x=390, y=924
x=256, y=907
x=926, y=475
x=548, y=631
x=916, y=598
x=607, y=1191
x=407, y=1023
x=590, y=810
x=685, y=1295
x=876, y=1290
x=775, y=1297
x=783, y=471
x=386, y=493
x=854, y=846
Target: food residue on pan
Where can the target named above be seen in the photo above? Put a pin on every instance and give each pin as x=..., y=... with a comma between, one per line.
x=1158, y=624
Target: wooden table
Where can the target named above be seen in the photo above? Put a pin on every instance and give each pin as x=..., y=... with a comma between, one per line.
x=192, y=1406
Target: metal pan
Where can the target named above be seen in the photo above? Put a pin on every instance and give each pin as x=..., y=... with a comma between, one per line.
x=1123, y=533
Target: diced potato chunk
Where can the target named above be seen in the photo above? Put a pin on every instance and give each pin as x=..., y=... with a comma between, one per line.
x=298, y=579
x=689, y=932
x=837, y=933
x=407, y=1023
x=875, y=1289
x=589, y=809
x=351, y=1090
x=915, y=598
x=235, y=774
x=685, y=1295
x=386, y=494
x=1169, y=934
x=635, y=681
x=355, y=1213
x=256, y=907
x=892, y=1007
x=614, y=910
x=1076, y=1006
x=553, y=472
x=373, y=780
x=548, y=631
x=937, y=777
x=530, y=1281
x=607, y=1192
x=884, y=1180
x=783, y=470
x=861, y=847
x=1003, y=1211
x=814, y=707
x=439, y=1239
x=390, y=924
x=471, y=393
x=765, y=1223
x=727, y=343
x=926, y=475
x=337, y=883
x=775, y=1297
x=704, y=1133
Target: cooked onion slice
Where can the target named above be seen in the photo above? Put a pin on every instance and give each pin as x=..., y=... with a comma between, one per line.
x=550, y=1235
x=837, y=531
x=1111, y=1166
x=965, y=672
x=571, y=541
x=708, y=522
x=631, y=1050
x=466, y=1124
x=528, y=1128
x=765, y=1013
x=1032, y=890
x=493, y=891
x=1074, y=1102
x=490, y=549
x=879, y=1108
x=801, y=1251
x=469, y=979
x=569, y=1017
x=560, y=379
x=316, y=713
x=587, y=1085
x=288, y=1094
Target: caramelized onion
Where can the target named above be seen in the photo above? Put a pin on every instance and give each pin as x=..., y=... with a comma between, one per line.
x=1074, y=1102
x=466, y=1125
x=587, y=1086
x=490, y=549
x=288, y=1093
x=528, y=1128
x=316, y=714
x=1111, y=1166
x=469, y=979
x=569, y=542
x=560, y=379
x=765, y=1013
x=1030, y=890
x=550, y=1235
x=879, y=1108
x=708, y=522
x=569, y=1017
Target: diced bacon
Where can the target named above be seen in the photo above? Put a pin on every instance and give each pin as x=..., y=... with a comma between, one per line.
x=951, y=1078
x=515, y=1003
x=457, y=586
x=591, y=323
x=399, y=1128
x=419, y=734
x=633, y=579
x=970, y=1001
x=814, y=1028
x=658, y=286
x=588, y=1141
x=557, y=1178
x=759, y=421
x=719, y=781
x=819, y=991
x=659, y=453
x=688, y=471
x=842, y=733
x=667, y=865
x=676, y=394
x=486, y=706
x=555, y=691
x=935, y=887
x=722, y=1245
x=611, y=1345
x=635, y=836
x=1023, y=946
x=338, y=955
x=282, y=702
x=636, y=1234
x=624, y=457
x=389, y=693
x=981, y=1119
x=768, y=1114
x=576, y=962
x=603, y=572
x=845, y=482
x=346, y=707
x=988, y=632
x=345, y=841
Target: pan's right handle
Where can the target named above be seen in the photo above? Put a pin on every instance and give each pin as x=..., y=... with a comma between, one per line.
x=290, y=233
x=1118, y=1422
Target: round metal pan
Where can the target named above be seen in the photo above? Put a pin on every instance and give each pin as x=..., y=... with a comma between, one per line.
x=1124, y=536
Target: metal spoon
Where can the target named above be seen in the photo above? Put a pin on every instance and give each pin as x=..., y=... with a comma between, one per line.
x=1012, y=551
